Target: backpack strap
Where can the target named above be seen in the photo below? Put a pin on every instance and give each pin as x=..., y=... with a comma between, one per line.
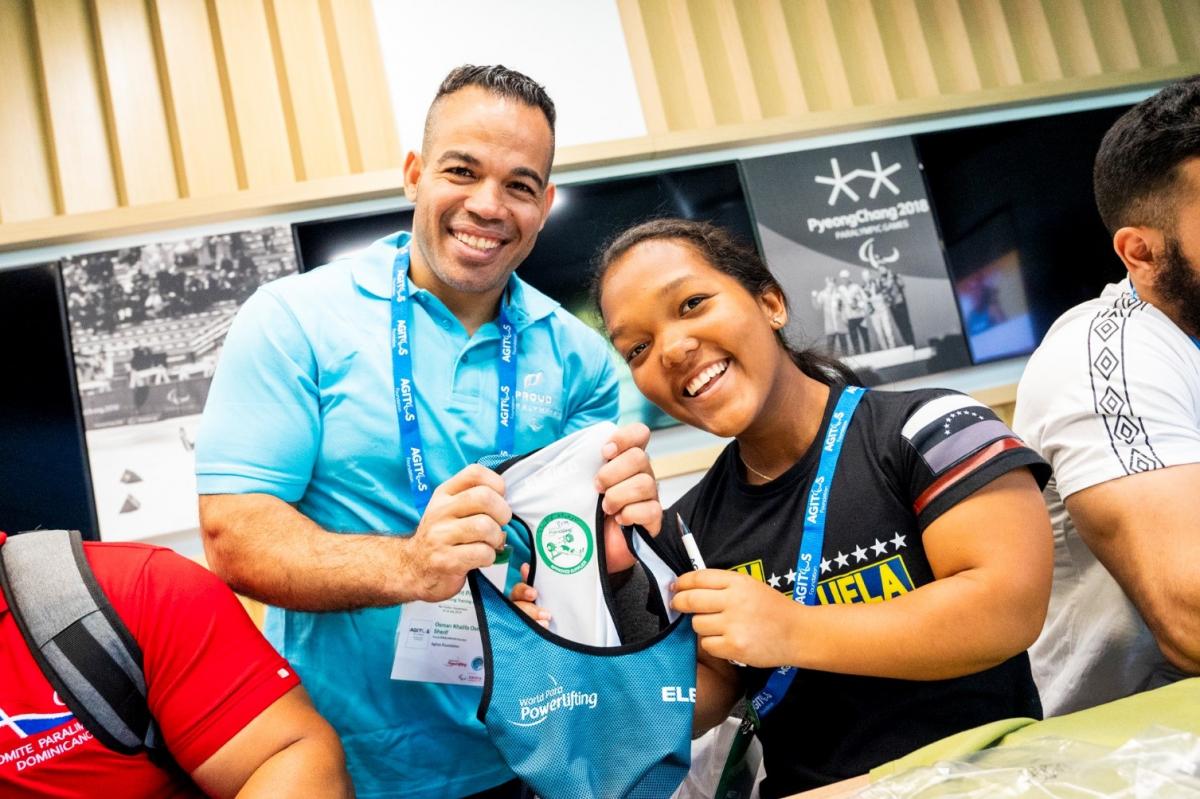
x=83, y=648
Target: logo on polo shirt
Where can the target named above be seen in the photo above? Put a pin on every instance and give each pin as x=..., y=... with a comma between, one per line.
x=528, y=393
x=29, y=739
x=565, y=542
x=24, y=725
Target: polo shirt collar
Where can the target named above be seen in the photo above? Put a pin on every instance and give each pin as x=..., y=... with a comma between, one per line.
x=526, y=303
x=372, y=267
x=372, y=272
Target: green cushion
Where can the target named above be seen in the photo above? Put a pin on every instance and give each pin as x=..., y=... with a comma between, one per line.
x=1110, y=725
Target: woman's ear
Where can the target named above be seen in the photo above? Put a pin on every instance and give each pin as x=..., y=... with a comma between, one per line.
x=773, y=307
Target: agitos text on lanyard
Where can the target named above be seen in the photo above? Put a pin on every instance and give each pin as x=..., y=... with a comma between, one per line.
x=804, y=590
x=411, y=444
x=812, y=538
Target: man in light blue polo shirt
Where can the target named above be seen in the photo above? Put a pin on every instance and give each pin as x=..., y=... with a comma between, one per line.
x=334, y=458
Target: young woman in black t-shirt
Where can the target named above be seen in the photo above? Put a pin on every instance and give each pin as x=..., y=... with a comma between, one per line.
x=935, y=571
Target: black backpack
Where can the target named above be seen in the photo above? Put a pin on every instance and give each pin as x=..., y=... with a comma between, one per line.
x=83, y=648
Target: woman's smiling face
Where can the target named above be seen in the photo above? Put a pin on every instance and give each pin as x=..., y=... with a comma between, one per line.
x=700, y=346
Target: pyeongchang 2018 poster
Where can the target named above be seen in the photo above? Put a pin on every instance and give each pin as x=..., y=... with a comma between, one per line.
x=850, y=234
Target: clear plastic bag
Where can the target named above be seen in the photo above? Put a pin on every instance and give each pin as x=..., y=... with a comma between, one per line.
x=1157, y=764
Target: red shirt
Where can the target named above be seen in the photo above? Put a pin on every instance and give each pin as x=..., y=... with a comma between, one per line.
x=208, y=669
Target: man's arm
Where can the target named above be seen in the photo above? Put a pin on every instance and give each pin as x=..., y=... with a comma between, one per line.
x=287, y=750
x=230, y=708
x=1145, y=529
x=264, y=548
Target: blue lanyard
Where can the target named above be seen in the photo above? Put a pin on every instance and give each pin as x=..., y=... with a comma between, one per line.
x=405, y=387
x=812, y=539
x=1133, y=291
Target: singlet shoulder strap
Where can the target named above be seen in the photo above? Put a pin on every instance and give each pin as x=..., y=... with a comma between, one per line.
x=83, y=648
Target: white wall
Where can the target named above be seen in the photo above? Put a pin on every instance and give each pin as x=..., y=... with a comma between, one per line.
x=576, y=49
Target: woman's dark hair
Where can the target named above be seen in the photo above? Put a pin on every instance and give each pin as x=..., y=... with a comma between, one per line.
x=728, y=254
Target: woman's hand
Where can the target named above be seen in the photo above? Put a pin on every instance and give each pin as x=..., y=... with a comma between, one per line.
x=978, y=612
x=630, y=492
x=525, y=595
x=739, y=618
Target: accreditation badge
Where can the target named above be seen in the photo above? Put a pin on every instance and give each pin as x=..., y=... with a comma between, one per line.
x=439, y=642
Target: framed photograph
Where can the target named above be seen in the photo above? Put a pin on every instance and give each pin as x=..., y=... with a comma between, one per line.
x=147, y=324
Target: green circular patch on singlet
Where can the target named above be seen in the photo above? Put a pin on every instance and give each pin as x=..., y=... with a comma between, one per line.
x=564, y=542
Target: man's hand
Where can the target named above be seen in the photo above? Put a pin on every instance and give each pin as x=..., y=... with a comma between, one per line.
x=460, y=530
x=630, y=492
x=738, y=618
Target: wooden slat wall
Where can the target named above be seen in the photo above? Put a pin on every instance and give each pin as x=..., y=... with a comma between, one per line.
x=124, y=115
x=370, y=129
x=775, y=77
x=309, y=79
x=822, y=70
x=78, y=133
x=727, y=70
x=1033, y=42
x=26, y=178
x=1183, y=20
x=196, y=116
x=1072, y=37
x=110, y=104
x=853, y=54
x=252, y=97
x=907, y=50
x=143, y=164
x=860, y=36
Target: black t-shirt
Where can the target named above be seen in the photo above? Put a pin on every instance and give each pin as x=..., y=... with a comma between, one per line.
x=907, y=458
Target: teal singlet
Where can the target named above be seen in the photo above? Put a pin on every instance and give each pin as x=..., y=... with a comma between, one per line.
x=573, y=711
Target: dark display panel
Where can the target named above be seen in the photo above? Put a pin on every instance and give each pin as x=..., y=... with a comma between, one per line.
x=587, y=215
x=1017, y=216
x=43, y=472
x=584, y=217
x=323, y=240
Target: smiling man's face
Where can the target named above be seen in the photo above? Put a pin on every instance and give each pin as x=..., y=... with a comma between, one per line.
x=481, y=193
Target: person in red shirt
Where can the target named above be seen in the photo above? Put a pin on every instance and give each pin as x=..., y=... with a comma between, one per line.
x=231, y=710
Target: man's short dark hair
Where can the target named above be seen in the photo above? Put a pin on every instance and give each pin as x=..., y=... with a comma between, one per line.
x=1136, y=177
x=499, y=80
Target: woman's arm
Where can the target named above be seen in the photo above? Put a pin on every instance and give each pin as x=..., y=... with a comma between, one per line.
x=717, y=689
x=992, y=556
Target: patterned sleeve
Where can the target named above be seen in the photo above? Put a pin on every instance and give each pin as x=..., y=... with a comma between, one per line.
x=1110, y=396
x=953, y=446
